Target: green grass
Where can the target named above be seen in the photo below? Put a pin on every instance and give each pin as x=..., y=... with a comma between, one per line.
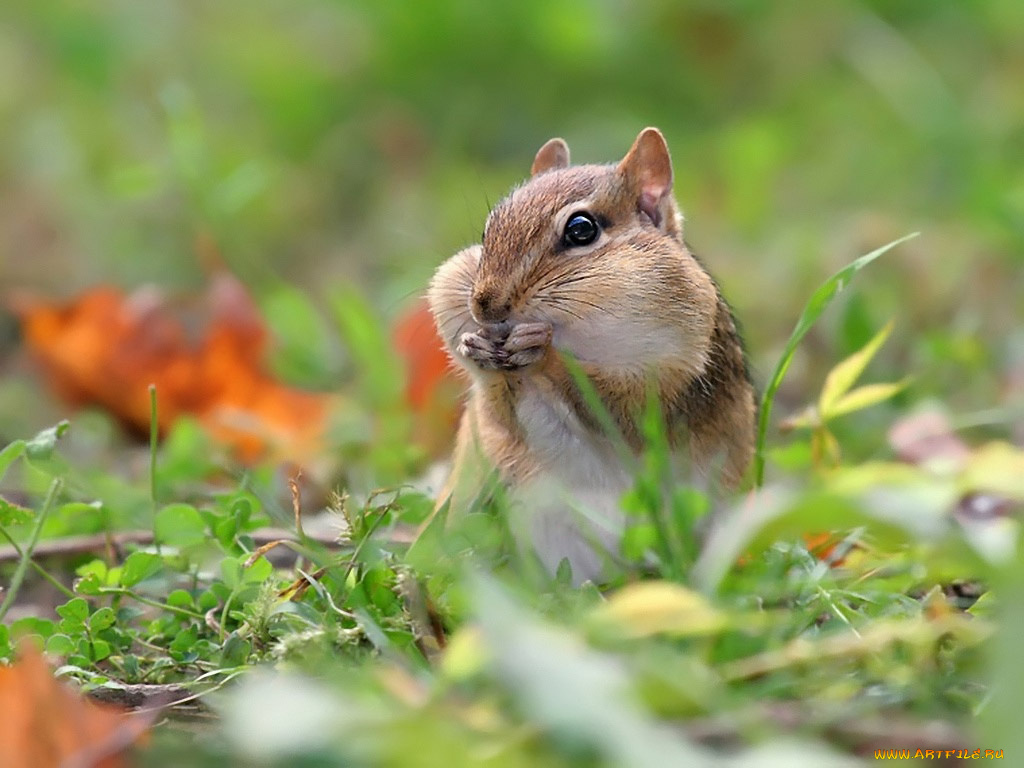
x=332, y=156
x=338, y=648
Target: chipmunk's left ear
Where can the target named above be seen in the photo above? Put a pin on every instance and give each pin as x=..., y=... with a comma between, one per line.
x=552, y=156
x=647, y=168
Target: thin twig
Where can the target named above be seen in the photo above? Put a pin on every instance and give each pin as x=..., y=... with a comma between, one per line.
x=147, y=601
x=77, y=545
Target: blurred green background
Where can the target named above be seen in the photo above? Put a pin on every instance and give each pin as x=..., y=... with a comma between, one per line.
x=320, y=144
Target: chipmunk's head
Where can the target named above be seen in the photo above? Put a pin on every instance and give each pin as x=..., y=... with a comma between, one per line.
x=557, y=247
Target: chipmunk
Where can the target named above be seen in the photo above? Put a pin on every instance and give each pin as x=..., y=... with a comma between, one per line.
x=590, y=260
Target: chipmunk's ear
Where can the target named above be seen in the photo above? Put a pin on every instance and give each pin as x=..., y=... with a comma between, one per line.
x=647, y=168
x=552, y=156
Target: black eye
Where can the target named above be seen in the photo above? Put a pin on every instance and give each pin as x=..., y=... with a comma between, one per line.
x=581, y=229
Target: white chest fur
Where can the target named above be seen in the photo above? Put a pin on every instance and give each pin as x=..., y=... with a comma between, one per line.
x=600, y=342
x=571, y=508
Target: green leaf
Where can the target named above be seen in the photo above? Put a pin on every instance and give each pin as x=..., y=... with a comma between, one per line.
x=179, y=598
x=207, y=599
x=259, y=571
x=6, y=650
x=60, y=645
x=179, y=525
x=235, y=652
x=865, y=397
x=563, y=574
x=42, y=445
x=12, y=514
x=97, y=567
x=32, y=625
x=76, y=609
x=638, y=540
x=231, y=571
x=94, y=576
x=184, y=641
x=814, y=308
x=186, y=453
x=140, y=566
x=303, y=348
x=371, y=350
x=9, y=455
x=225, y=530
x=845, y=373
x=104, y=618
x=90, y=584
x=99, y=650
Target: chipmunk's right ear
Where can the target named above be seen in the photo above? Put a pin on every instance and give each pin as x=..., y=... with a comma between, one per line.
x=552, y=156
x=647, y=167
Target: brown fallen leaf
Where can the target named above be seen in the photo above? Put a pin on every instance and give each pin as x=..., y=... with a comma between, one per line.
x=105, y=348
x=45, y=724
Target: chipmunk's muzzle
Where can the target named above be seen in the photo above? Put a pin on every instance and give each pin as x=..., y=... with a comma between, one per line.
x=488, y=307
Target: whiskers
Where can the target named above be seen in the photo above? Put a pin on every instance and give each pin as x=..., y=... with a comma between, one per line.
x=561, y=291
x=558, y=305
x=570, y=298
x=467, y=319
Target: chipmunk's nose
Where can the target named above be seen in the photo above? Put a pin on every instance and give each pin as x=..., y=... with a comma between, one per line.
x=489, y=308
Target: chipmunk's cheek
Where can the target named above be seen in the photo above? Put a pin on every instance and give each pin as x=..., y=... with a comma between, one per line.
x=618, y=342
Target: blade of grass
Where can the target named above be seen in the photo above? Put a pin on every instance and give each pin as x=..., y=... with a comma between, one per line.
x=154, y=434
x=26, y=555
x=813, y=309
x=598, y=410
x=656, y=459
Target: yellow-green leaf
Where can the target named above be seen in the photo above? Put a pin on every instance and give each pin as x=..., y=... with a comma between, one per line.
x=865, y=397
x=842, y=377
x=466, y=655
x=658, y=607
x=996, y=468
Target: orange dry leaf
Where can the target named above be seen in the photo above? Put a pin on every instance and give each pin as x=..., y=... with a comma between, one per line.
x=432, y=388
x=105, y=348
x=44, y=724
x=822, y=545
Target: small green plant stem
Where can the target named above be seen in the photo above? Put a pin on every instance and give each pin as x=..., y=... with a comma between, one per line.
x=359, y=547
x=147, y=601
x=154, y=434
x=26, y=554
x=37, y=567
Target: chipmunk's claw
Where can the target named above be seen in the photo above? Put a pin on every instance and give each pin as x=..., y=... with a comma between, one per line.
x=527, y=343
x=482, y=351
x=506, y=349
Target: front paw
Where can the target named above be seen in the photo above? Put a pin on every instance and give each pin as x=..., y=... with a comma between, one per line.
x=501, y=348
x=526, y=344
x=482, y=350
